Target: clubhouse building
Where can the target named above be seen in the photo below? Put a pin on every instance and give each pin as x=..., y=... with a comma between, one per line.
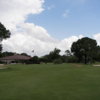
x=15, y=59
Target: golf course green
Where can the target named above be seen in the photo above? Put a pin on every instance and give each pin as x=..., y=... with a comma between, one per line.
x=50, y=82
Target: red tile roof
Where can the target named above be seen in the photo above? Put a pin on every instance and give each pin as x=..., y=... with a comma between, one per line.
x=16, y=57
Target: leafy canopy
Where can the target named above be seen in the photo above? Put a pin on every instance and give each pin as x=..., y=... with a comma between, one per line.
x=4, y=33
x=84, y=49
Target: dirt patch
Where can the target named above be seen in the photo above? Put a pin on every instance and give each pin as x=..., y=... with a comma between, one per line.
x=2, y=66
x=96, y=65
x=77, y=65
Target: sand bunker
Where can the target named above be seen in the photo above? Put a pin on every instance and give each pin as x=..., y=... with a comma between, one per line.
x=2, y=66
x=96, y=65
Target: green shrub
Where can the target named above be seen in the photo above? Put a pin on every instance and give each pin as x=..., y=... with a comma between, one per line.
x=58, y=61
x=72, y=59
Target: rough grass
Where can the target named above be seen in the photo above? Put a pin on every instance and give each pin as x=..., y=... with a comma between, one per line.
x=50, y=82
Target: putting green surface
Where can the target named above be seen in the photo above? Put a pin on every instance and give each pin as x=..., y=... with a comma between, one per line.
x=50, y=82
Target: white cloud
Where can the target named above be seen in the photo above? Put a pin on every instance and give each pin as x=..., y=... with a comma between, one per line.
x=97, y=38
x=36, y=38
x=78, y=1
x=51, y=7
x=66, y=43
x=28, y=36
x=66, y=13
x=14, y=12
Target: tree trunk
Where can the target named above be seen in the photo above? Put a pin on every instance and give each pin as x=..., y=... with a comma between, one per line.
x=85, y=59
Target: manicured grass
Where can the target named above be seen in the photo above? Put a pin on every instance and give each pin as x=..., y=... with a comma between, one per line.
x=50, y=82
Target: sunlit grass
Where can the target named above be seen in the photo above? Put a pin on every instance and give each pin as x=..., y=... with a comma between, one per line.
x=50, y=82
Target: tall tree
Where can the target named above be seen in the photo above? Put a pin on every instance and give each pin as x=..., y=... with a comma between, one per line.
x=68, y=53
x=55, y=54
x=84, y=49
x=97, y=56
x=4, y=34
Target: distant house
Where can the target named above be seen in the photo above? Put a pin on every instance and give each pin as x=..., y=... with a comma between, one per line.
x=15, y=58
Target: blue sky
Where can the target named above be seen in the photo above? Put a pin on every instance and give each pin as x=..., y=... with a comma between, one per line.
x=42, y=25
x=64, y=18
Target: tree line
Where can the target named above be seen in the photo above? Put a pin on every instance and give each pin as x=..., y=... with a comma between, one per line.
x=84, y=50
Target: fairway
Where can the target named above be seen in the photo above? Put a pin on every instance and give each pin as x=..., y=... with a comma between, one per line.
x=50, y=82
